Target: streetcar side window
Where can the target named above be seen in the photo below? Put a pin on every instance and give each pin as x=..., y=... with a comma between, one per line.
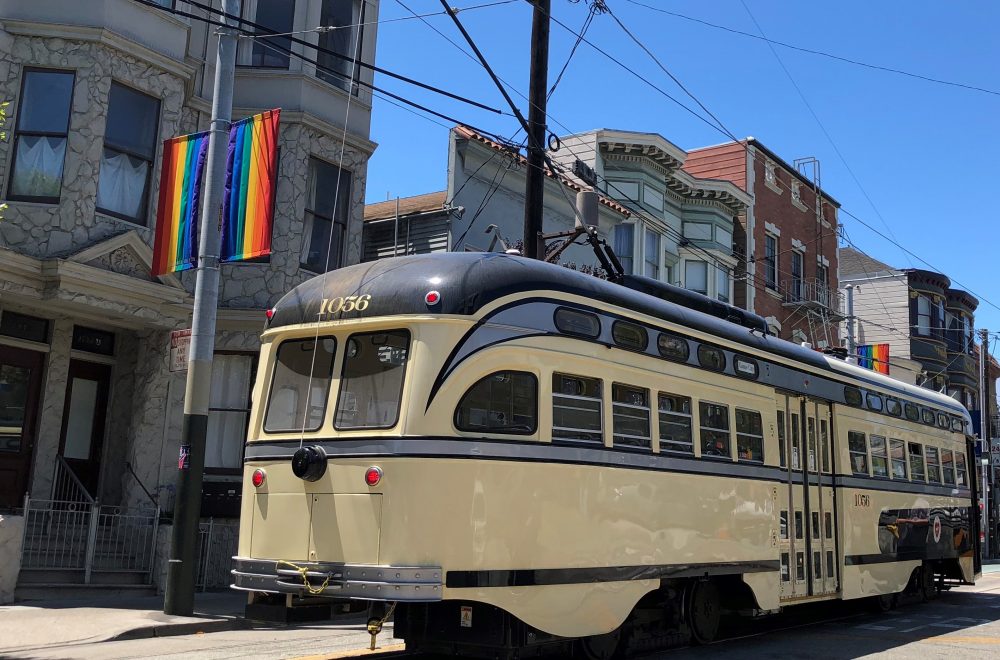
x=942, y=421
x=858, y=447
x=897, y=459
x=948, y=467
x=785, y=577
x=880, y=459
x=916, y=452
x=824, y=445
x=811, y=438
x=711, y=357
x=300, y=385
x=933, y=466
x=577, y=409
x=927, y=416
x=961, y=477
x=852, y=396
x=673, y=347
x=749, y=436
x=503, y=402
x=957, y=424
x=576, y=322
x=630, y=415
x=629, y=335
x=874, y=402
x=371, y=381
x=714, y=420
x=912, y=412
x=893, y=407
x=675, y=423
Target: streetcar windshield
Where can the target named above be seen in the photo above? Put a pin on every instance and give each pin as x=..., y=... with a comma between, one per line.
x=371, y=384
x=301, y=385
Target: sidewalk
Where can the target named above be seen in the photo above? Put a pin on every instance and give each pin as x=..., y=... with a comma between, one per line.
x=33, y=625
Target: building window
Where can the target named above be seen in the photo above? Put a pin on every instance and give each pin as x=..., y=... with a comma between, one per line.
x=696, y=276
x=796, y=192
x=798, y=285
x=625, y=246
x=769, y=174
x=771, y=261
x=675, y=423
x=724, y=238
x=277, y=16
x=823, y=275
x=129, y=149
x=923, y=316
x=327, y=211
x=651, y=255
x=229, y=410
x=699, y=231
x=344, y=17
x=714, y=429
x=652, y=197
x=40, y=136
x=668, y=274
x=722, y=283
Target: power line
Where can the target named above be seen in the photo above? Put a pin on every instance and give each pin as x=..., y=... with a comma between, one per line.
x=820, y=53
x=595, y=8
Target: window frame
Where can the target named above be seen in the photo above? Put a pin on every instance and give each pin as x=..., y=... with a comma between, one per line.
x=853, y=451
x=144, y=219
x=923, y=329
x=254, y=364
x=709, y=347
x=344, y=175
x=702, y=428
x=344, y=380
x=747, y=434
x=600, y=410
x=673, y=358
x=797, y=274
x=882, y=454
x=18, y=133
x=771, y=256
x=620, y=440
x=271, y=379
x=688, y=263
x=344, y=82
x=564, y=311
x=932, y=468
x=910, y=456
x=948, y=467
x=619, y=323
x=690, y=424
x=894, y=444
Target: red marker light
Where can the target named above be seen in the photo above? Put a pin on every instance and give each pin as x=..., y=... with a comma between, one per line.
x=373, y=475
x=432, y=298
x=258, y=478
x=269, y=314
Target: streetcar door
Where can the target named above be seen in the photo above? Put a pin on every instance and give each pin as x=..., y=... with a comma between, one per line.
x=791, y=536
x=817, y=491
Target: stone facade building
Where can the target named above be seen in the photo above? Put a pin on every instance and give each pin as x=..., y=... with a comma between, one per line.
x=85, y=330
x=787, y=239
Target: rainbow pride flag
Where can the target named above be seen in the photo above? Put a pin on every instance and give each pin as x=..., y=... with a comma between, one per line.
x=182, y=175
x=874, y=357
x=248, y=198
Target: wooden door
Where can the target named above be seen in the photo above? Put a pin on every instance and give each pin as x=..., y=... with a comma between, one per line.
x=20, y=390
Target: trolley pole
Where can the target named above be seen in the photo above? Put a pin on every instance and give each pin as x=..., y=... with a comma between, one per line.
x=535, y=183
x=181, y=571
x=984, y=422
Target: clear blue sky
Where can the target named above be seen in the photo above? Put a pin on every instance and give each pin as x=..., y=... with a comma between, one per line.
x=925, y=153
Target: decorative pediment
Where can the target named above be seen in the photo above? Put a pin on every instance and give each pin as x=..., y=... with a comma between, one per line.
x=126, y=254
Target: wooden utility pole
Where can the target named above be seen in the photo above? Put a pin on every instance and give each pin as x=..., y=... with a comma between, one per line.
x=538, y=88
x=984, y=422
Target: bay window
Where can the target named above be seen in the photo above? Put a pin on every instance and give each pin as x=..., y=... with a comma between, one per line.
x=40, y=136
x=651, y=255
x=344, y=17
x=129, y=149
x=696, y=276
x=624, y=246
x=722, y=283
x=923, y=316
x=277, y=16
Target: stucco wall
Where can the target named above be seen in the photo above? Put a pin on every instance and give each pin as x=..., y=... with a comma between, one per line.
x=11, y=537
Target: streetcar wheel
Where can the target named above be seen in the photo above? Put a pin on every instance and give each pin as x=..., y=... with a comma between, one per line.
x=928, y=584
x=600, y=647
x=885, y=602
x=704, y=611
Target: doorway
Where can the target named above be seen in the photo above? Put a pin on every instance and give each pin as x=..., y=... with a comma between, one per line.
x=20, y=389
x=84, y=417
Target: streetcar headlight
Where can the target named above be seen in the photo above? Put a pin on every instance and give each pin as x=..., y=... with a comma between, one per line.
x=309, y=463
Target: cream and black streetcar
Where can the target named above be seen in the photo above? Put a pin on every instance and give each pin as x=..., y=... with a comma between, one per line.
x=523, y=458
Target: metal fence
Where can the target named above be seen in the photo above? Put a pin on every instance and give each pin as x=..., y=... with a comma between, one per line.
x=217, y=545
x=89, y=537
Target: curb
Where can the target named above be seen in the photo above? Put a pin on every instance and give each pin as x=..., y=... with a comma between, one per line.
x=191, y=628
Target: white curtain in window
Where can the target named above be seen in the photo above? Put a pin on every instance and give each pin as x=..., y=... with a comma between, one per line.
x=38, y=166
x=624, y=246
x=227, y=428
x=122, y=183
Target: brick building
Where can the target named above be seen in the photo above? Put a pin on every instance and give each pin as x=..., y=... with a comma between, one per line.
x=787, y=269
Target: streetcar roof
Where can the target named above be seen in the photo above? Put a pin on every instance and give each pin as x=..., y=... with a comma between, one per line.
x=468, y=281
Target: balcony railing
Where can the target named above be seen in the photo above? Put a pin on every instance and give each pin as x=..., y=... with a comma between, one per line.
x=810, y=292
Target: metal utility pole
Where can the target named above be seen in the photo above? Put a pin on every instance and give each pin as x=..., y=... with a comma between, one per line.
x=181, y=568
x=984, y=422
x=538, y=88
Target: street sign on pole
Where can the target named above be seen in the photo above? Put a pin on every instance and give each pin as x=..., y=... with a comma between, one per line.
x=180, y=342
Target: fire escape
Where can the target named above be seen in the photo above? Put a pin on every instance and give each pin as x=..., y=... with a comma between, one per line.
x=813, y=298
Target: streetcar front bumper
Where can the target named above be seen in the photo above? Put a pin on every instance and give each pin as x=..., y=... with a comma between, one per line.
x=336, y=580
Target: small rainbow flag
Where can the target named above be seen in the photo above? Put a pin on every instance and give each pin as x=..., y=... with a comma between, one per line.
x=874, y=357
x=251, y=175
x=182, y=174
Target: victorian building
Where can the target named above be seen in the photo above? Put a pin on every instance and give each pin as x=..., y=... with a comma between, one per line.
x=90, y=399
x=786, y=240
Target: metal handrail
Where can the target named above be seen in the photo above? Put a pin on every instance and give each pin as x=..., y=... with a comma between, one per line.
x=65, y=491
x=152, y=498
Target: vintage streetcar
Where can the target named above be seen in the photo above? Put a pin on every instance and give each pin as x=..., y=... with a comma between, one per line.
x=519, y=458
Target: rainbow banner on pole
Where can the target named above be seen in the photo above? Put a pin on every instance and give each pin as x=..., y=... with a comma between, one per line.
x=248, y=198
x=182, y=175
x=874, y=357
